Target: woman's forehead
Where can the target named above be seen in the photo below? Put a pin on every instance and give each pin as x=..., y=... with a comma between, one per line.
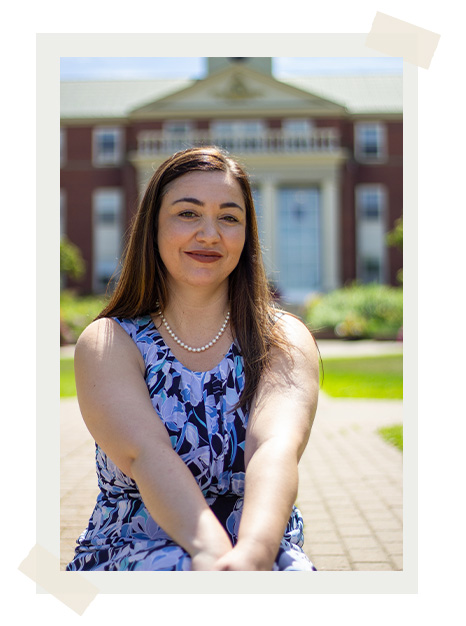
x=205, y=183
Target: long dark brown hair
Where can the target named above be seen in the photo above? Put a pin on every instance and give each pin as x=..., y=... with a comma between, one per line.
x=142, y=285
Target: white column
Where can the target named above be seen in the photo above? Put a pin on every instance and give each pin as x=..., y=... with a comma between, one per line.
x=268, y=196
x=330, y=213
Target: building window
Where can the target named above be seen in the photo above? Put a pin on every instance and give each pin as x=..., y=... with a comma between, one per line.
x=297, y=134
x=179, y=128
x=107, y=236
x=237, y=128
x=370, y=200
x=107, y=146
x=238, y=135
x=297, y=126
x=371, y=247
x=370, y=270
x=370, y=141
x=178, y=135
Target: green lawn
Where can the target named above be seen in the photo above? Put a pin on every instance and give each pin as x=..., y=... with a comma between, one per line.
x=394, y=435
x=364, y=377
x=67, y=384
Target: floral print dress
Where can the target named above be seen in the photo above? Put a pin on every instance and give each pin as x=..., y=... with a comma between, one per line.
x=209, y=435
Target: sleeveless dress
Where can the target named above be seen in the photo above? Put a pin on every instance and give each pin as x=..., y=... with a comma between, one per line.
x=197, y=411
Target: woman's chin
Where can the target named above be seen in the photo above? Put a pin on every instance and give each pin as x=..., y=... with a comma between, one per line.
x=199, y=282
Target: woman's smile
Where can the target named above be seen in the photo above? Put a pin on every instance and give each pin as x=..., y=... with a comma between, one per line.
x=204, y=256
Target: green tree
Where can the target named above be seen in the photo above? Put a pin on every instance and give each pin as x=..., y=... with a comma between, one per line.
x=72, y=264
x=395, y=236
x=395, y=240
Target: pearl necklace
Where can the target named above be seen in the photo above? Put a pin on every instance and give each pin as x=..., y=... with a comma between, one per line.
x=189, y=348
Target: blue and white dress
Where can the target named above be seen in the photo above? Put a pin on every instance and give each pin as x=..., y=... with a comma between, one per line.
x=209, y=435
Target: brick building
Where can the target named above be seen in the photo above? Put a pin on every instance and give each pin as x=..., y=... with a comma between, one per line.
x=324, y=155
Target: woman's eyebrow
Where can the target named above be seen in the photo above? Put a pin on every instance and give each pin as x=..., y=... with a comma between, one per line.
x=190, y=200
x=231, y=205
x=224, y=205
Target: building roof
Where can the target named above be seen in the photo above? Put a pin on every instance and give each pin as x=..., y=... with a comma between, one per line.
x=116, y=99
x=112, y=98
x=359, y=94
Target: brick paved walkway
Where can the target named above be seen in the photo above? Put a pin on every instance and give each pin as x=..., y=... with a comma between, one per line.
x=351, y=487
x=350, y=484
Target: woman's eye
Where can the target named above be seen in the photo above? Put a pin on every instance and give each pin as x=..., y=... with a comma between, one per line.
x=230, y=218
x=187, y=214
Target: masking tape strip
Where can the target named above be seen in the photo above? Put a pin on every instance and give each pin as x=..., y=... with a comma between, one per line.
x=44, y=569
x=401, y=39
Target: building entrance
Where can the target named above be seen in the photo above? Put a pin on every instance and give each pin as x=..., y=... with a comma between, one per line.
x=298, y=242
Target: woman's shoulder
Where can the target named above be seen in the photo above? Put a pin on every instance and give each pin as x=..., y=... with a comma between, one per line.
x=296, y=334
x=135, y=326
x=289, y=323
x=107, y=337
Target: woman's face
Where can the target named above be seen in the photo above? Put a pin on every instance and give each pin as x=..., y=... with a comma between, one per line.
x=202, y=228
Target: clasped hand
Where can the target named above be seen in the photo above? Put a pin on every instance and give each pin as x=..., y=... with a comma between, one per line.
x=241, y=558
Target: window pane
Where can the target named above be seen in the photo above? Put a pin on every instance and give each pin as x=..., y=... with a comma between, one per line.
x=370, y=270
x=370, y=140
x=106, y=217
x=370, y=233
x=107, y=144
x=108, y=206
x=177, y=128
x=238, y=128
x=297, y=126
x=370, y=205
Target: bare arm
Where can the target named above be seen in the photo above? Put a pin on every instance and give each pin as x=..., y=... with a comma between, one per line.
x=278, y=430
x=116, y=407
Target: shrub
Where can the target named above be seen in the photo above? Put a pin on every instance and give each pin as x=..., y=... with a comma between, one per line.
x=77, y=312
x=395, y=239
x=395, y=236
x=71, y=261
x=358, y=311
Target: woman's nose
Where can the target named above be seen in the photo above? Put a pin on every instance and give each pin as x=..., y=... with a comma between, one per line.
x=208, y=231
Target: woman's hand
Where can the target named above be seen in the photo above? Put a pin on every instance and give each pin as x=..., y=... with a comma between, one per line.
x=278, y=429
x=246, y=557
x=205, y=559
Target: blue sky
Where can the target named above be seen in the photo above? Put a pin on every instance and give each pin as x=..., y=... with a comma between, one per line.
x=124, y=68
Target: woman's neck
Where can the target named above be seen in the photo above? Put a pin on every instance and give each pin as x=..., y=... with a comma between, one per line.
x=196, y=310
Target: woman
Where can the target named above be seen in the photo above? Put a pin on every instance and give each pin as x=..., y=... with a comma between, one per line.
x=199, y=394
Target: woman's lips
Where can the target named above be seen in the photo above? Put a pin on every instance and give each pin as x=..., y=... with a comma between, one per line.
x=204, y=256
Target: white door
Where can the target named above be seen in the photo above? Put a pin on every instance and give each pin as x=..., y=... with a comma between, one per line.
x=298, y=242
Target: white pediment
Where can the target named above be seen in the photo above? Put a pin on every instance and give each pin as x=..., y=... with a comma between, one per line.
x=238, y=90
